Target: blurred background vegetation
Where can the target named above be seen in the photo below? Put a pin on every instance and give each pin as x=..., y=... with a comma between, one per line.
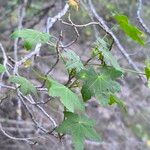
x=119, y=131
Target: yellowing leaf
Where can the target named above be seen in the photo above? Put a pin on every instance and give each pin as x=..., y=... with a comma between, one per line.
x=27, y=63
x=74, y=3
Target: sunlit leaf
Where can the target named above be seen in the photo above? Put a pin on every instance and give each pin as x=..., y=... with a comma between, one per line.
x=130, y=30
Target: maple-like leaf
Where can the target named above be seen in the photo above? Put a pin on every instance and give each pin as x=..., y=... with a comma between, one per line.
x=79, y=127
x=69, y=99
x=99, y=85
x=72, y=60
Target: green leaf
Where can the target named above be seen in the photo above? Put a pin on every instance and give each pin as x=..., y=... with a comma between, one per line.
x=114, y=100
x=28, y=45
x=109, y=59
x=80, y=127
x=73, y=60
x=147, y=72
x=86, y=93
x=2, y=68
x=99, y=85
x=111, y=72
x=130, y=30
x=69, y=99
x=31, y=37
x=26, y=87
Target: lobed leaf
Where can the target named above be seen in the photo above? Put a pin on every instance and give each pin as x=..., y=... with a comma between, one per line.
x=100, y=85
x=80, y=127
x=69, y=99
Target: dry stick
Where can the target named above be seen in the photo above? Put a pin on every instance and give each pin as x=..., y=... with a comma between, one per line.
x=78, y=25
x=31, y=101
x=76, y=31
x=36, y=50
x=146, y=29
x=16, y=138
x=51, y=21
x=118, y=44
x=57, y=60
x=96, y=32
x=31, y=115
x=49, y=25
x=21, y=15
x=5, y=60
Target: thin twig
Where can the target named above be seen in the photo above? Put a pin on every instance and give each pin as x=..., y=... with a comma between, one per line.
x=16, y=138
x=51, y=21
x=79, y=25
x=146, y=29
x=5, y=62
x=31, y=115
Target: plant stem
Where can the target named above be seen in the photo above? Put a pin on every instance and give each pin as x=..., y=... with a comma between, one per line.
x=126, y=70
